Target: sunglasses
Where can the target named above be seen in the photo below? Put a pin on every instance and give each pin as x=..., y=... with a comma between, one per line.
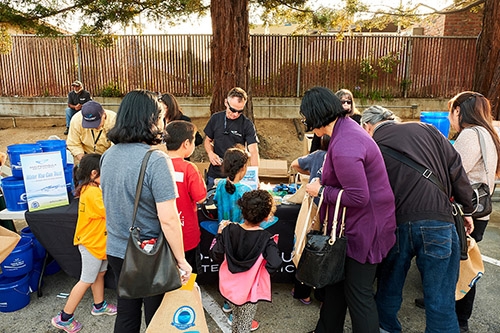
x=346, y=102
x=233, y=110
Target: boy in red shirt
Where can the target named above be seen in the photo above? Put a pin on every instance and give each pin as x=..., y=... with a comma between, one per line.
x=190, y=185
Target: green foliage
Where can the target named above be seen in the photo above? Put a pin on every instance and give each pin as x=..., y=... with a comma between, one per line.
x=389, y=61
x=368, y=72
x=5, y=41
x=111, y=90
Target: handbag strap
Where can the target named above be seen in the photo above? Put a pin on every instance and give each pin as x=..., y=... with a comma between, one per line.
x=482, y=145
x=333, y=234
x=138, y=189
x=425, y=172
x=317, y=209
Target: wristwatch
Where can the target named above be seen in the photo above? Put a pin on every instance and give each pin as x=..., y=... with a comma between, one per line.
x=320, y=191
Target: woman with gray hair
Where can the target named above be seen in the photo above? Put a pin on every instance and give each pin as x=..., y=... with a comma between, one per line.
x=374, y=115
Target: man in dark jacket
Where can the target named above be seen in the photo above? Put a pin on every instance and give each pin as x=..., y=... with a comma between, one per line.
x=425, y=225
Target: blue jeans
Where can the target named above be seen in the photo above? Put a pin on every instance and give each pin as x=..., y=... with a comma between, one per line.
x=435, y=245
x=69, y=114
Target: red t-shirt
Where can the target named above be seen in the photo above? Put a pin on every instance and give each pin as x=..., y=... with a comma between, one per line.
x=192, y=189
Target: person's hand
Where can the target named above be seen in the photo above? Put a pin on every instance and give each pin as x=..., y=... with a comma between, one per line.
x=78, y=107
x=313, y=188
x=468, y=224
x=78, y=158
x=3, y=158
x=222, y=225
x=185, y=270
x=214, y=159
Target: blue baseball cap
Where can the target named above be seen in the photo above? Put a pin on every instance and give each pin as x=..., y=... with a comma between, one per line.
x=91, y=114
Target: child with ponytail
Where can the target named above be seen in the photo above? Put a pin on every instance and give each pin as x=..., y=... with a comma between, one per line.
x=230, y=190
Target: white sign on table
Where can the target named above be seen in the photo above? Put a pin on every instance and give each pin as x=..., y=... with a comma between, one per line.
x=44, y=180
x=251, y=178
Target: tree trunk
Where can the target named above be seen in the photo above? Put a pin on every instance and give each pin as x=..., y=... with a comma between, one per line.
x=230, y=51
x=487, y=77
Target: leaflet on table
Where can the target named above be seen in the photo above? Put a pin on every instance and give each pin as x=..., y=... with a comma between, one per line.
x=251, y=178
x=44, y=180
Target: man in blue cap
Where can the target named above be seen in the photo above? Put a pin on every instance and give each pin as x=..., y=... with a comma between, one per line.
x=88, y=131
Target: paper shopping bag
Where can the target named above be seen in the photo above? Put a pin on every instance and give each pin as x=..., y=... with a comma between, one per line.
x=307, y=220
x=181, y=310
x=471, y=269
x=8, y=241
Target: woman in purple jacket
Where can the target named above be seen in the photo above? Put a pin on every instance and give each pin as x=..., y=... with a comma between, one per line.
x=353, y=163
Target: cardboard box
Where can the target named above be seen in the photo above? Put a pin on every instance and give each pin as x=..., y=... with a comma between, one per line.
x=273, y=168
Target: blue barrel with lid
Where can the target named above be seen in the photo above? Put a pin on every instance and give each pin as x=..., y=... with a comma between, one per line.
x=438, y=119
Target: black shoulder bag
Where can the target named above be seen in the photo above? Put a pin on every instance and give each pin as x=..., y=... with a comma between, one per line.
x=323, y=258
x=144, y=273
x=457, y=212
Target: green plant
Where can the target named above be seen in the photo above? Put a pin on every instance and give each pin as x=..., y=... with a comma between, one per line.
x=367, y=70
x=111, y=90
x=388, y=62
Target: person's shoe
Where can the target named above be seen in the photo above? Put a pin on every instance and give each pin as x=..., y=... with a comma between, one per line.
x=106, y=309
x=464, y=329
x=66, y=131
x=226, y=307
x=419, y=302
x=255, y=323
x=70, y=326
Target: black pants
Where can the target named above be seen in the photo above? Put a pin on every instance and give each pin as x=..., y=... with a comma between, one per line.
x=355, y=292
x=463, y=307
x=193, y=258
x=129, y=316
x=301, y=291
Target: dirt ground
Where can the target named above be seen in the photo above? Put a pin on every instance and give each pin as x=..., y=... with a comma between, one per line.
x=278, y=138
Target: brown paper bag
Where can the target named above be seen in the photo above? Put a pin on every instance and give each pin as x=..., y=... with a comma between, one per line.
x=307, y=220
x=470, y=270
x=8, y=241
x=298, y=196
x=181, y=310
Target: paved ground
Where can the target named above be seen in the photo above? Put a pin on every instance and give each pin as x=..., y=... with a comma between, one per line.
x=283, y=315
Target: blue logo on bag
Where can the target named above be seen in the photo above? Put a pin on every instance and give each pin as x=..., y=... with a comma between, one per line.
x=184, y=317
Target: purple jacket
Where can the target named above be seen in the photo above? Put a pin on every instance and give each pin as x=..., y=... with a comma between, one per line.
x=354, y=163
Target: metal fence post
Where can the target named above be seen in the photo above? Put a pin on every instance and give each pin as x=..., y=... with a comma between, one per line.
x=78, y=58
x=190, y=65
x=299, y=63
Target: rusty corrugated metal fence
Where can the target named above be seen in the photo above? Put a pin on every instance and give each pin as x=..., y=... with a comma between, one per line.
x=376, y=66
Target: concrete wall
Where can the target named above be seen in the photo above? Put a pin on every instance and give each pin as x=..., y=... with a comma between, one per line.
x=52, y=110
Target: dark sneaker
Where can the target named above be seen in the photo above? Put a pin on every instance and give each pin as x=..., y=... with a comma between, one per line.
x=66, y=131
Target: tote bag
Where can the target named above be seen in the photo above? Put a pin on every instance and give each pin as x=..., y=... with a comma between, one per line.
x=307, y=220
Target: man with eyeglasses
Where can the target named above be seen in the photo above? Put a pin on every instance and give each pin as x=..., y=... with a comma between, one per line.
x=226, y=129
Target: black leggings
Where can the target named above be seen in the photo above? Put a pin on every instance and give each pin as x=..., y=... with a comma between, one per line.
x=129, y=316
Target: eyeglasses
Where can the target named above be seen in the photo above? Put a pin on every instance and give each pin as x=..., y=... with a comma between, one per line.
x=346, y=102
x=233, y=110
x=304, y=122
